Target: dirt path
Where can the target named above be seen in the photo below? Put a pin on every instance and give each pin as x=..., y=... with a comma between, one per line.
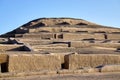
x=95, y=76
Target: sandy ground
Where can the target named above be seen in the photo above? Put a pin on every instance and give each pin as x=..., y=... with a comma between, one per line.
x=95, y=76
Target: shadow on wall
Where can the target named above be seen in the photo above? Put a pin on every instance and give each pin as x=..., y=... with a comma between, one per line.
x=4, y=63
x=22, y=48
x=81, y=24
x=4, y=67
x=63, y=23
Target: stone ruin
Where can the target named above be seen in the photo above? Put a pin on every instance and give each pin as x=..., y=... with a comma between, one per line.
x=61, y=45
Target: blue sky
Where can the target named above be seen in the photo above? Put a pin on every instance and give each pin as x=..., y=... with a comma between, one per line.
x=14, y=13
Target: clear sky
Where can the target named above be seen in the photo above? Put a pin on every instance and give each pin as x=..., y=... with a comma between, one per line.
x=14, y=13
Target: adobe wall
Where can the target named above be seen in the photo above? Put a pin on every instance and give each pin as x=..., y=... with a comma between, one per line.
x=49, y=29
x=3, y=58
x=33, y=62
x=114, y=36
x=77, y=61
x=18, y=35
x=73, y=29
x=90, y=30
x=9, y=47
x=37, y=62
x=75, y=36
x=81, y=44
x=32, y=42
x=46, y=29
x=41, y=35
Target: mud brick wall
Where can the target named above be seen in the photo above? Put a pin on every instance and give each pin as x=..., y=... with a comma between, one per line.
x=74, y=29
x=77, y=61
x=48, y=29
x=35, y=41
x=3, y=58
x=81, y=44
x=113, y=36
x=18, y=35
x=9, y=47
x=33, y=62
x=42, y=35
x=73, y=36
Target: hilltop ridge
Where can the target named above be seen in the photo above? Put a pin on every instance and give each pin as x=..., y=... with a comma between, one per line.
x=58, y=24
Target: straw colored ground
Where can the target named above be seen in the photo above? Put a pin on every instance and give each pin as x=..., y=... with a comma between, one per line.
x=93, y=76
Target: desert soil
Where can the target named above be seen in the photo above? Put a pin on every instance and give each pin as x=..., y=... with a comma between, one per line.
x=95, y=76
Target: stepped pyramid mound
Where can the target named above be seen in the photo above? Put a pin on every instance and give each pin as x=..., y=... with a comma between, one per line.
x=59, y=43
x=58, y=25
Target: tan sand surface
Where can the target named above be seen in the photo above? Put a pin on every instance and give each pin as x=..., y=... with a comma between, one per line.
x=93, y=76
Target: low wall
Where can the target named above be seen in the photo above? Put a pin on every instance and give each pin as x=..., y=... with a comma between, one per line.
x=33, y=62
x=18, y=35
x=79, y=44
x=113, y=36
x=10, y=48
x=75, y=36
x=82, y=44
x=77, y=61
x=41, y=35
x=36, y=42
x=53, y=61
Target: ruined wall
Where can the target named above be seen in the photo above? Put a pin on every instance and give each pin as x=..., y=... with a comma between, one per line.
x=3, y=58
x=79, y=44
x=90, y=30
x=114, y=36
x=77, y=61
x=41, y=29
x=40, y=42
x=75, y=36
x=82, y=44
x=18, y=35
x=52, y=61
x=9, y=47
x=41, y=35
x=73, y=28
x=33, y=62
